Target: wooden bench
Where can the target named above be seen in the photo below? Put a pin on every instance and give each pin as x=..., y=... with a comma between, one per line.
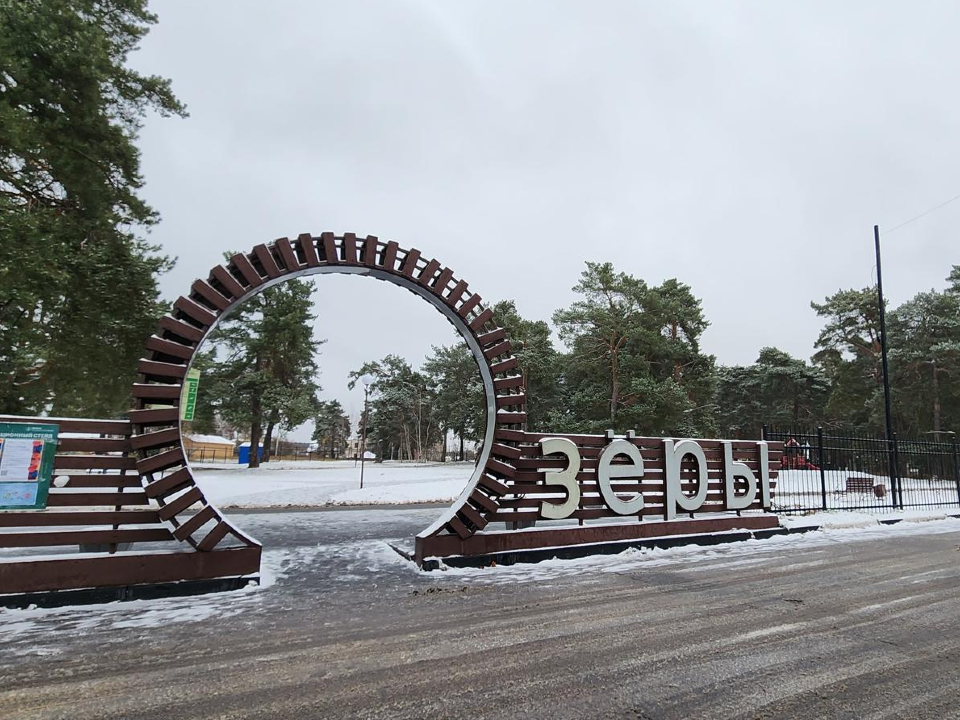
x=860, y=485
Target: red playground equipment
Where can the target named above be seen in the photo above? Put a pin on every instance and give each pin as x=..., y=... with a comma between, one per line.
x=796, y=456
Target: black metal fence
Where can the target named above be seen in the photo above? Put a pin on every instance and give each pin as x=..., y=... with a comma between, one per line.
x=857, y=472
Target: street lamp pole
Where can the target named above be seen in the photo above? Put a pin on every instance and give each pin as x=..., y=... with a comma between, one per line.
x=367, y=382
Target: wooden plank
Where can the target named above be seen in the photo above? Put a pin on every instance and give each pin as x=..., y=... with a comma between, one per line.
x=505, y=451
x=269, y=265
x=93, y=445
x=287, y=254
x=483, y=501
x=308, y=249
x=446, y=275
x=166, y=416
x=504, y=365
x=473, y=516
x=192, y=310
x=497, y=350
x=156, y=391
x=213, y=537
x=242, y=263
x=195, y=523
x=492, y=337
x=494, y=465
x=161, y=438
x=410, y=262
x=456, y=524
x=94, y=462
x=229, y=282
x=458, y=290
x=426, y=275
x=161, y=461
x=390, y=256
x=57, y=519
x=75, y=425
x=508, y=383
x=504, y=401
x=71, y=499
x=204, y=290
x=182, y=329
x=181, y=503
x=100, y=480
x=511, y=418
x=169, y=484
x=469, y=304
x=510, y=435
x=482, y=319
x=370, y=251
x=161, y=369
x=350, y=249
x=170, y=347
x=46, y=538
x=125, y=569
x=329, y=242
x=493, y=485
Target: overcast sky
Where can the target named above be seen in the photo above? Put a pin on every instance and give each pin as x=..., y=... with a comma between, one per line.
x=746, y=148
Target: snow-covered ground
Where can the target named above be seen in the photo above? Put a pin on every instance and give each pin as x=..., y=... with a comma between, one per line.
x=312, y=484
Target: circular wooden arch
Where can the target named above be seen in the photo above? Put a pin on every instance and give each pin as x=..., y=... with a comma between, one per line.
x=161, y=461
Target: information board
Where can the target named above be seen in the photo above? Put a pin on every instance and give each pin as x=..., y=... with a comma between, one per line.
x=26, y=465
x=189, y=401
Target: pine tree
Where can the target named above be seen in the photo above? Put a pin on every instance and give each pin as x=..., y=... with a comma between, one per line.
x=78, y=289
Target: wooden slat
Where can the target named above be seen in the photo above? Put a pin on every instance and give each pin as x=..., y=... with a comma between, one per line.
x=350, y=248
x=161, y=461
x=492, y=337
x=156, y=391
x=195, y=523
x=100, y=480
x=212, y=538
x=497, y=350
x=169, y=484
x=194, y=311
x=242, y=263
x=170, y=347
x=390, y=256
x=77, y=537
x=309, y=250
x=510, y=400
x=125, y=569
x=493, y=485
x=228, y=281
x=93, y=445
x=459, y=528
x=166, y=416
x=370, y=251
x=270, y=266
x=64, y=499
x=180, y=328
x=505, y=451
x=426, y=275
x=410, y=262
x=56, y=519
x=508, y=383
x=456, y=293
x=287, y=254
x=446, y=275
x=161, y=438
x=473, y=516
x=161, y=369
x=494, y=465
x=483, y=501
x=504, y=366
x=179, y=504
x=469, y=304
x=204, y=290
x=511, y=418
x=94, y=462
x=482, y=319
x=331, y=257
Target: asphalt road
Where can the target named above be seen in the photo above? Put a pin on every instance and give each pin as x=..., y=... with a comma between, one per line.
x=841, y=625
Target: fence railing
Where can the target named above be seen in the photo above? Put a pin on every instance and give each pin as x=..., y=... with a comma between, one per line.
x=858, y=472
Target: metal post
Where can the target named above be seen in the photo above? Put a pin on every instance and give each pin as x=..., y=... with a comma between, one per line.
x=823, y=477
x=363, y=432
x=891, y=443
x=956, y=466
x=896, y=466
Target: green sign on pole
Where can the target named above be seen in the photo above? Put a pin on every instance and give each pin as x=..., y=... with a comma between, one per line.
x=188, y=403
x=26, y=465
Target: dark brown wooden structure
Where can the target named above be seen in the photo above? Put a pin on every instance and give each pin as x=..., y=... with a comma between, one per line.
x=149, y=495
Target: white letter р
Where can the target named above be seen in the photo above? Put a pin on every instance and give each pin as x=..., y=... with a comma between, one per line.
x=673, y=490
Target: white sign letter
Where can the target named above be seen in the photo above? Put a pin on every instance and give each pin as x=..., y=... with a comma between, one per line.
x=731, y=471
x=764, y=474
x=607, y=471
x=674, y=496
x=566, y=478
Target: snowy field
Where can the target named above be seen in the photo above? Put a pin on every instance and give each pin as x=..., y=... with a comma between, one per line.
x=314, y=484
